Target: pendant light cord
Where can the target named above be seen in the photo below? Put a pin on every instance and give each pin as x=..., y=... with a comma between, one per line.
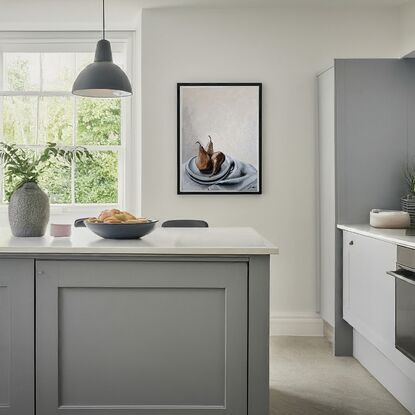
x=103, y=19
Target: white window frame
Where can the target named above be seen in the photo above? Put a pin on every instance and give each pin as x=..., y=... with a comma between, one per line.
x=85, y=41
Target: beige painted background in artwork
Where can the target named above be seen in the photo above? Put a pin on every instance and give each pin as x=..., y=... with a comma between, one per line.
x=229, y=114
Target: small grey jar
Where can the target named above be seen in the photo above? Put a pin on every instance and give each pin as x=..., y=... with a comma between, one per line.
x=29, y=211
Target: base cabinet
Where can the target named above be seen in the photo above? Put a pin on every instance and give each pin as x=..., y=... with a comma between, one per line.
x=369, y=307
x=368, y=292
x=154, y=338
x=16, y=337
x=168, y=335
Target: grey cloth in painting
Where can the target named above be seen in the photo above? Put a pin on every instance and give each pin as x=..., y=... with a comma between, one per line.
x=242, y=177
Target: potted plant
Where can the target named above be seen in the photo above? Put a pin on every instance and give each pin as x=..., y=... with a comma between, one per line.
x=28, y=203
x=408, y=201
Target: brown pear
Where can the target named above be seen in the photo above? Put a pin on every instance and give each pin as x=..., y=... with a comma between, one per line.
x=203, y=161
x=217, y=160
x=209, y=147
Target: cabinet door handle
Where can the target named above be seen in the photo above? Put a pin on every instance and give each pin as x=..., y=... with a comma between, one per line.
x=351, y=243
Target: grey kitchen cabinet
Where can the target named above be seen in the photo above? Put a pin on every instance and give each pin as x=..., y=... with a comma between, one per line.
x=145, y=337
x=368, y=292
x=369, y=305
x=16, y=337
x=366, y=136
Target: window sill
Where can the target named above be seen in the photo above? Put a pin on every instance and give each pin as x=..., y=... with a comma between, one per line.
x=66, y=213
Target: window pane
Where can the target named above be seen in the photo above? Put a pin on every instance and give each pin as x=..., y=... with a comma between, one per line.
x=58, y=71
x=19, y=120
x=82, y=60
x=35, y=120
x=55, y=120
x=56, y=182
x=21, y=71
x=98, y=121
x=96, y=181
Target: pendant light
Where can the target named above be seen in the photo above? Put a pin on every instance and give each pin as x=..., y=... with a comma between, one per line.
x=102, y=78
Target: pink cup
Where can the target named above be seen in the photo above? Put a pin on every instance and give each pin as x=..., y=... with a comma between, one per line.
x=60, y=230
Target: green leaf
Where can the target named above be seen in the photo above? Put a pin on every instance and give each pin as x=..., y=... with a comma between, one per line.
x=26, y=166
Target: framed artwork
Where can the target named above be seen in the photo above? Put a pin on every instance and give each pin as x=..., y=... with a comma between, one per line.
x=219, y=138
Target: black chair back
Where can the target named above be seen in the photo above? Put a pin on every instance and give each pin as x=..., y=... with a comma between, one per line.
x=185, y=223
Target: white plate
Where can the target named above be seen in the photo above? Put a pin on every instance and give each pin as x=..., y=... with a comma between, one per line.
x=195, y=173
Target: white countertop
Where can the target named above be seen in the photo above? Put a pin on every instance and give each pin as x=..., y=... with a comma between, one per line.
x=163, y=241
x=404, y=237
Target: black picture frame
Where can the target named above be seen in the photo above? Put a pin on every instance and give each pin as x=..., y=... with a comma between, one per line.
x=259, y=190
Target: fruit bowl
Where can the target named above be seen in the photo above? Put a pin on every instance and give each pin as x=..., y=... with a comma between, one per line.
x=121, y=230
x=117, y=224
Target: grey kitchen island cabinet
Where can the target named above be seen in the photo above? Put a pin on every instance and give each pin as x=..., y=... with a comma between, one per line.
x=141, y=337
x=16, y=337
x=175, y=324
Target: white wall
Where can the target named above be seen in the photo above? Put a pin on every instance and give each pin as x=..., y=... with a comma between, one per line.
x=407, y=41
x=284, y=48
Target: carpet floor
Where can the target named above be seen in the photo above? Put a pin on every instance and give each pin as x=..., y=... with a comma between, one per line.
x=306, y=379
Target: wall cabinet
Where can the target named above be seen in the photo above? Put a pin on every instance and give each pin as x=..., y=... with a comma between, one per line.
x=16, y=337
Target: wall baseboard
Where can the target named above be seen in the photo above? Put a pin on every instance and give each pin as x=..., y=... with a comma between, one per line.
x=296, y=325
x=328, y=331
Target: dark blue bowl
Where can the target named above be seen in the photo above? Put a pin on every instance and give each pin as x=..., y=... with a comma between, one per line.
x=121, y=230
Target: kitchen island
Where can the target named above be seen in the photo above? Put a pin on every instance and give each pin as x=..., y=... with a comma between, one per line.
x=175, y=323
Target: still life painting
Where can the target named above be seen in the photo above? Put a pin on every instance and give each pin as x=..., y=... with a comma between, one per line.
x=219, y=138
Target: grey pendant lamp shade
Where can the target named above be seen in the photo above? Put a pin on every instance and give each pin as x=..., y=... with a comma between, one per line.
x=102, y=78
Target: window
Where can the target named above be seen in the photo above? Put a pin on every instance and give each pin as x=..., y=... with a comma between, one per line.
x=37, y=106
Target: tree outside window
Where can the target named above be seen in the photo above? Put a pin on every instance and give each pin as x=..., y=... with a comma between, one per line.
x=37, y=107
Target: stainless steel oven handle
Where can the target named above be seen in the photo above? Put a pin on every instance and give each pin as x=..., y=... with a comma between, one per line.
x=396, y=274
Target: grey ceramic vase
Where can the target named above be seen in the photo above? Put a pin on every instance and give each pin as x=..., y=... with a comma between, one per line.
x=29, y=211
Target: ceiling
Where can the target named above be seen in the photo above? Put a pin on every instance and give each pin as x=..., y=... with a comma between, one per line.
x=267, y=3
x=5, y=4
x=124, y=14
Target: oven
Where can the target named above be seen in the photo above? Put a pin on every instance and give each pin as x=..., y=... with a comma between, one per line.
x=405, y=302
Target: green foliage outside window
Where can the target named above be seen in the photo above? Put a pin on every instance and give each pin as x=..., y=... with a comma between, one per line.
x=99, y=121
x=24, y=165
x=96, y=178
x=37, y=120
